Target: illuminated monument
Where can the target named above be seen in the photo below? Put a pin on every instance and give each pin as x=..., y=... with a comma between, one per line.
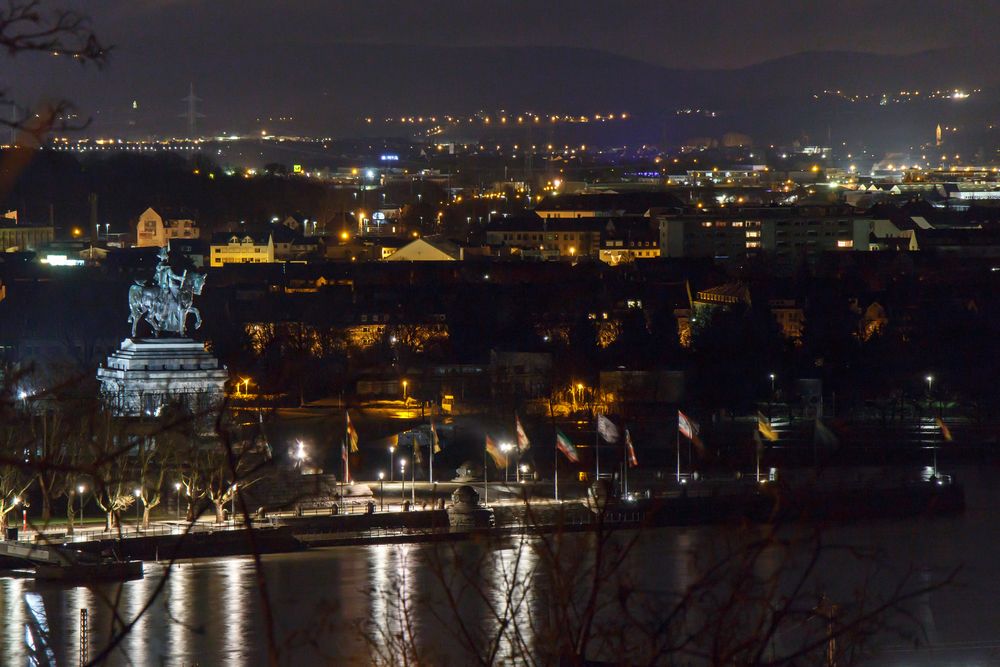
x=144, y=374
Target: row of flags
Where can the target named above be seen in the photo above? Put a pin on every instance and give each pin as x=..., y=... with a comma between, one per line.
x=611, y=434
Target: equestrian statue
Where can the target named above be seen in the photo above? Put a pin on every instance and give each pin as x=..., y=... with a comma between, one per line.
x=165, y=304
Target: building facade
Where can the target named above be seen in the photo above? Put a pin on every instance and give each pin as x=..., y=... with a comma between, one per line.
x=788, y=234
x=241, y=248
x=153, y=230
x=14, y=238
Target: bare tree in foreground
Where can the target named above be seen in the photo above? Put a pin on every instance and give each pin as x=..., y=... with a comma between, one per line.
x=757, y=596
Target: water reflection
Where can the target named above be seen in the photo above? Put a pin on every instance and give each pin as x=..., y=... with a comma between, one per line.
x=234, y=628
x=210, y=612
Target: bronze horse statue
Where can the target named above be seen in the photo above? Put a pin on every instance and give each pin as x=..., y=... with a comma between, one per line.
x=166, y=306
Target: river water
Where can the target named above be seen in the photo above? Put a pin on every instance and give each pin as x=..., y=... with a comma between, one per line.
x=210, y=612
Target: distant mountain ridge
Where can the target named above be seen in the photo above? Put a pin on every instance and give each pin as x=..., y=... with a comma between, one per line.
x=330, y=87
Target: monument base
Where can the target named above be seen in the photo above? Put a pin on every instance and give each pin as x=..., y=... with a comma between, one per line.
x=145, y=374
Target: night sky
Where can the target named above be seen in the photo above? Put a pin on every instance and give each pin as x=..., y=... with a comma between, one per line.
x=713, y=33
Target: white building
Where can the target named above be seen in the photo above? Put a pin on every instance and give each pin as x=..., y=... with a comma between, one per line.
x=153, y=230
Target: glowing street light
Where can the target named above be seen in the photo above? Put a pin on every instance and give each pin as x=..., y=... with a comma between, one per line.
x=930, y=383
x=137, y=493
x=506, y=447
x=381, y=491
x=80, y=488
x=402, y=477
x=772, y=382
x=405, y=385
x=392, y=450
x=177, y=492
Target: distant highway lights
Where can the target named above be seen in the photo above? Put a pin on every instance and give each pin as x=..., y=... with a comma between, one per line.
x=381, y=491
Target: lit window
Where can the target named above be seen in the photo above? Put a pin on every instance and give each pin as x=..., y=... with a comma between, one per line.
x=753, y=235
x=845, y=243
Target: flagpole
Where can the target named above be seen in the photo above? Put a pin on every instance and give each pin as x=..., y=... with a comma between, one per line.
x=678, y=448
x=756, y=450
x=555, y=467
x=597, y=445
x=625, y=467
x=555, y=453
x=347, y=441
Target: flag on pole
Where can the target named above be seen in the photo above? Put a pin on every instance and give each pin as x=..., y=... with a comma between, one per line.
x=352, y=435
x=765, y=429
x=632, y=460
x=564, y=445
x=343, y=453
x=607, y=429
x=522, y=438
x=945, y=431
x=687, y=426
x=435, y=443
x=499, y=458
x=417, y=456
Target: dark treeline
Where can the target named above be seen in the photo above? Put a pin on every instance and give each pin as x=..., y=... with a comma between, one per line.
x=875, y=325
x=126, y=184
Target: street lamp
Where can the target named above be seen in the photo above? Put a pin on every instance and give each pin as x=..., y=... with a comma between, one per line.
x=392, y=450
x=177, y=491
x=930, y=383
x=402, y=477
x=772, y=383
x=505, y=447
x=405, y=384
x=300, y=452
x=232, y=505
x=381, y=491
x=137, y=493
x=79, y=490
x=524, y=472
x=246, y=385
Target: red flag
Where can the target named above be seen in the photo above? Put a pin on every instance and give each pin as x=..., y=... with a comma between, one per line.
x=687, y=426
x=499, y=457
x=632, y=460
x=352, y=435
x=522, y=438
x=945, y=431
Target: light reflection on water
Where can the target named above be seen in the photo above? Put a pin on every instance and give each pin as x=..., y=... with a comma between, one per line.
x=210, y=611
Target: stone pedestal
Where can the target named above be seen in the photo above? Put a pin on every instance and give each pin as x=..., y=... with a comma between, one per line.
x=466, y=512
x=145, y=374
